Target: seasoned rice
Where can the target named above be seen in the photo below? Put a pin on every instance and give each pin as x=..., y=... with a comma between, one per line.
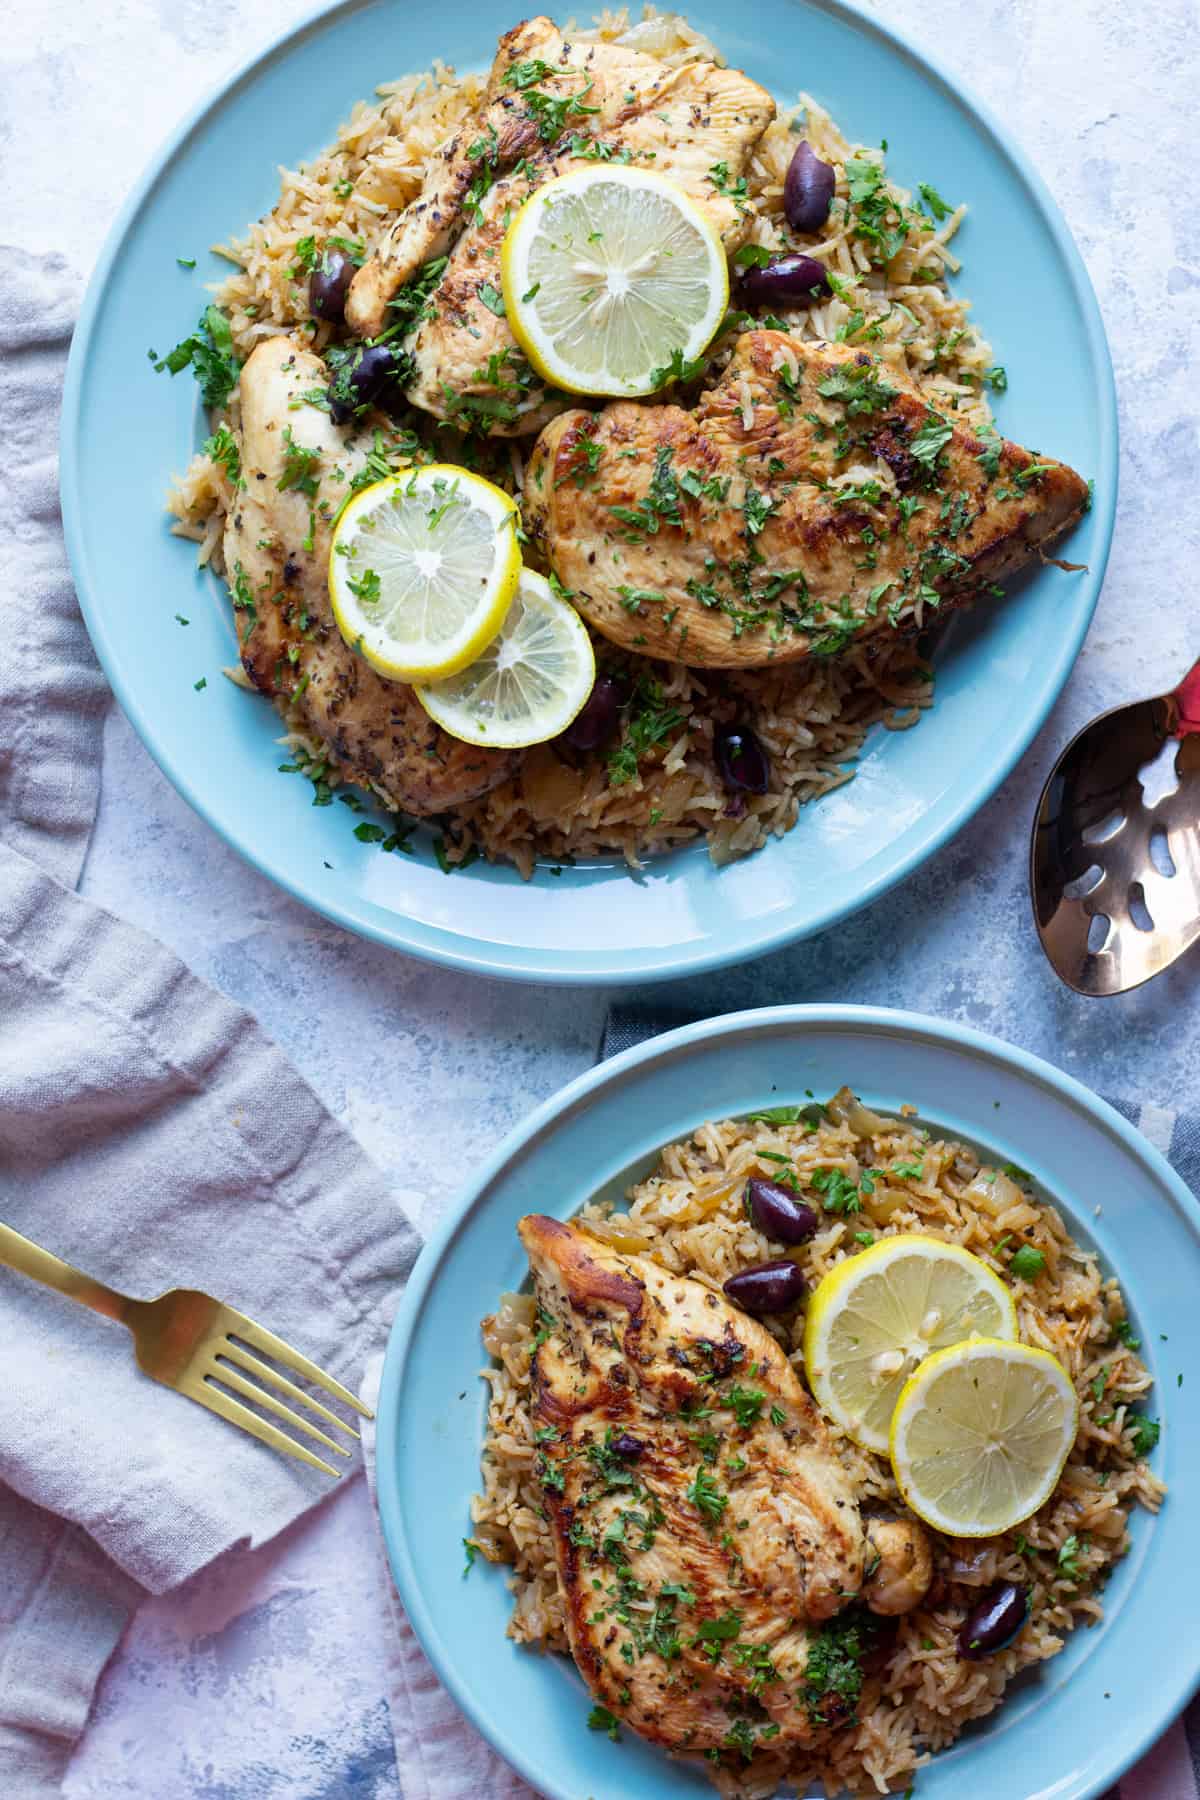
x=688, y=1216
x=811, y=719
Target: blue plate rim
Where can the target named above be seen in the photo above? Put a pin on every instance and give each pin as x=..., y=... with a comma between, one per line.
x=525, y=962
x=892, y=1022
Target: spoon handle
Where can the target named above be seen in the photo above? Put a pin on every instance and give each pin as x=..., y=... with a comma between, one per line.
x=1186, y=704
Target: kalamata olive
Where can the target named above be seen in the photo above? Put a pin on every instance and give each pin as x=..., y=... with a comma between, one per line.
x=995, y=1622
x=741, y=759
x=772, y=1287
x=328, y=285
x=596, y=722
x=807, y=189
x=785, y=281
x=777, y=1212
x=361, y=381
x=627, y=1447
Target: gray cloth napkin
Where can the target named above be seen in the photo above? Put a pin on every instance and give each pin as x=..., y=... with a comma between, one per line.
x=150, y=1133
x=442, y=1757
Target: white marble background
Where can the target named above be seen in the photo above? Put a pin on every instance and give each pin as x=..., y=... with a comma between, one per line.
x=265, y=1681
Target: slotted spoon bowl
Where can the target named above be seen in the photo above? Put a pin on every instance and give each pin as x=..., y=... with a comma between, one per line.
x=1114, y=867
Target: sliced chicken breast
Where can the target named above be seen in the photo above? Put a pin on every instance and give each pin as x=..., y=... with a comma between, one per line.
x=812, y=500
x=703, y=1524
x=298, y=466
x=551, y=106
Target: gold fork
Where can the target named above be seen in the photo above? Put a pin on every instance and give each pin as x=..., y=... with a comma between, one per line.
x=190, y=1342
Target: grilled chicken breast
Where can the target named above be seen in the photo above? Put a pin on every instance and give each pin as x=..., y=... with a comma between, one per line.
x=297, y=466
x=812, y=499
x=702, y=1522
x=550, y=106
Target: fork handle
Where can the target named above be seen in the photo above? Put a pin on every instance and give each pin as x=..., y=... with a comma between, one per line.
x=30, y=1259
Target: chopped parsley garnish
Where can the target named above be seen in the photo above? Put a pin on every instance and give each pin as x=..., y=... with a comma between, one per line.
x=838, y=1193
x=471, y=1547
x=733, y=190
x=550, y=1474
x=834, y=1665
x=299, y=462
x=366, y=586
x=878, y=219
x=810, y=1115
x=756, y=510
x=678, y=368
x=933, y=200
x=612, y=1470
x=1144, y=1433
x=585, y=458
x=186, y=262
x=650, y=721
x=201, y=684
x=908, y=1171
x=600, y=1719
x=859, y=388
x=549, y=114
x=546, y=1324
x=209, y=353
x=722, y=1630
x=408, y=308
x=707, y=1497
x=1027, y=1262
x=1122, y=1333
x=997, y=378
x=222, y=447
x=746, y=1404
x=752, y=256
x=777, y=1416
x=492, y=298
x=1068, y=1557
x=930, y=441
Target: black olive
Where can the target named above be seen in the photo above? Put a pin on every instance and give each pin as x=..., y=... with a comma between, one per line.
x=777, y=1212
x=360, y=382
x=995, y=1622
x=596, y=721
x=772, y=1287
x=808, y=189
x=628, y=1447
x=741, y=759
x=785, y=281
x=329, y=284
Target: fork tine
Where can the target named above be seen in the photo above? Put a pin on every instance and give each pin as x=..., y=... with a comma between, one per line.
x=250, y=1390
x=228, y=1408
x=239, y=1326
x=262, y=1371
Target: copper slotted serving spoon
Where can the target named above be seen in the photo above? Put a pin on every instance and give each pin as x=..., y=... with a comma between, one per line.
x=194, y=1344
x=1114, y=865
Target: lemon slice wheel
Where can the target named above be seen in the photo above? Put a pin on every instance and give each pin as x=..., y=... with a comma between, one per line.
x=530, y=681
x=877, y=1315
x=980, y=1435
x=422, y=570
x=606, y=273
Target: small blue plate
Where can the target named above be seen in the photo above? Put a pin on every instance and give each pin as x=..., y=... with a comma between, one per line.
x=1066, y=1732
x=126, y=429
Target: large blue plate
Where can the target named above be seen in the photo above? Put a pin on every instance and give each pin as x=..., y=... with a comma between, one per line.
x=1067, y=1732
x=125, y=429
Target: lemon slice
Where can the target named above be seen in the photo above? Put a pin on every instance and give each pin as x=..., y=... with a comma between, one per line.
x=876, y=1316
x=422, y=570
x=980, y=1435
x=606, y=273
x=530, y=681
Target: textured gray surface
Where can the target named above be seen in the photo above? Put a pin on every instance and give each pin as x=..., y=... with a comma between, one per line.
x=430, y=1067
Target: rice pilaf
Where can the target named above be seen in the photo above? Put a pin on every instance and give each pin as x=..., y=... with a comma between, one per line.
x=688, y=1215
x=811, y=718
